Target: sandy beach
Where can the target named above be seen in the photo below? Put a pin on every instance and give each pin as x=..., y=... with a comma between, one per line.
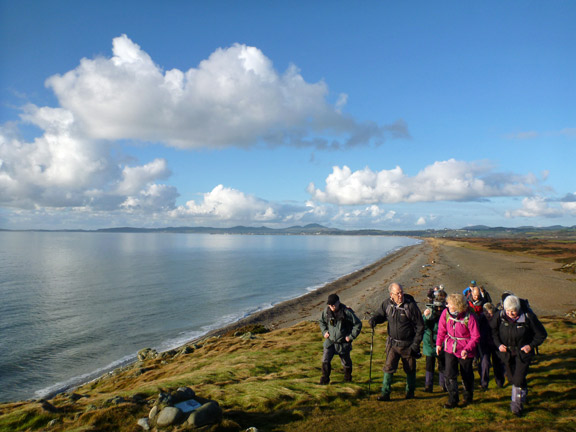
x=420, y=267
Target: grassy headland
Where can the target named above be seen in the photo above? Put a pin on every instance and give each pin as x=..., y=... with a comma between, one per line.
x=269, y=381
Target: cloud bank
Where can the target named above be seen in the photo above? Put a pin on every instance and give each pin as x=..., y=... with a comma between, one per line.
x=449, y=180
x=233, y=98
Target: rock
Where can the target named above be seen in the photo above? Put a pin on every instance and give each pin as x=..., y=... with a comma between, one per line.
x=251, y=429
x=147, y=354
x=247, y=336
x=182, y=394
x=169, y=416
x=153, y=412
x=209, y=413
x=164, y=400
x=144, y=423
x=186, y=350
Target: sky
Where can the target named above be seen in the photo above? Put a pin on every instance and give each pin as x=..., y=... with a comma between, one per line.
x=354, y=115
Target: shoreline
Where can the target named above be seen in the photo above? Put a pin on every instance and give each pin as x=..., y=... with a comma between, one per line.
x=267, y=317
x=418, y=268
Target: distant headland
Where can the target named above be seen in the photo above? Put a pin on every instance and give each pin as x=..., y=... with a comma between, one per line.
x=556, y=231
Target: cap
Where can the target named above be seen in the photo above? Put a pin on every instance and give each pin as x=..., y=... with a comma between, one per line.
x=473, y=283
x=332, y=299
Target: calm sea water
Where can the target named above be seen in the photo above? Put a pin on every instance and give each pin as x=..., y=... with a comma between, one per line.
x=75, y=305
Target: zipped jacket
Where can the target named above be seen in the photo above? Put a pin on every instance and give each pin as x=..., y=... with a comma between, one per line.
x=458, y=334
x=514, y=334
x=340, y=324
x=405, y=323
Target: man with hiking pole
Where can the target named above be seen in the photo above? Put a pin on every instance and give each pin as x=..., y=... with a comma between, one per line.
x=405, y=331
x=339, y=326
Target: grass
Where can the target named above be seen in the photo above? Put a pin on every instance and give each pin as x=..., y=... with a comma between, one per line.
x=270, y=382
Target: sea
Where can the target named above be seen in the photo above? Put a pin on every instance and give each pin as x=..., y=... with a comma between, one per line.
x=76, y=305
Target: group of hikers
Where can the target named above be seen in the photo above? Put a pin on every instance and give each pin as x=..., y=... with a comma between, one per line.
x=457, y=331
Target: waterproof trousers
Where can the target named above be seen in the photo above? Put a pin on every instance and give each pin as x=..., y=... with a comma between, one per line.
x=466, y=366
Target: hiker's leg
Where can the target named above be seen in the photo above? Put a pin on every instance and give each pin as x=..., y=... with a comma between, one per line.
x=429, y=376
x=467, y=368
x=451, y=373
x=327, y=356
x=347, y=365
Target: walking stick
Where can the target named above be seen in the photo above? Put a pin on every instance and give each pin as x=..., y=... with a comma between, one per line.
x=370, y=373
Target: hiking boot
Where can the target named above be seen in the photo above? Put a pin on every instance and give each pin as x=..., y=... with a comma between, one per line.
x=428, y=389
x=409, y=396
x=450, y=405
x=324, y=380
x=383, y=398
x=348, y=374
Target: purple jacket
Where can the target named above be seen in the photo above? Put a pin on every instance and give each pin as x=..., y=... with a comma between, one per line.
x=455, y=335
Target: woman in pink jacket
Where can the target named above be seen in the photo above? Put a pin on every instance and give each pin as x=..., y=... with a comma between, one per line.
x=458, y=335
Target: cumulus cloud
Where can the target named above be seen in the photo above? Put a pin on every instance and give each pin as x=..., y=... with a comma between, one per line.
x=534, y=207
x=224, y=203
x=539, y=206
x=233, y=98
x=63, y=168
x=449, y=180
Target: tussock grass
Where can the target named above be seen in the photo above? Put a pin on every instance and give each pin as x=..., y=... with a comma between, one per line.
x=270, y=381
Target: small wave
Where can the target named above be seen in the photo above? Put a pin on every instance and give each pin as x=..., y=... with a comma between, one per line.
x=72, y=383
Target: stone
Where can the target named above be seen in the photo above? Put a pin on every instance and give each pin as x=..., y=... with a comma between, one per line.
x=153, y=412
x=169, y=416
x=182, y=394
x=147, y=354
x=207, y=414
x=144, y=423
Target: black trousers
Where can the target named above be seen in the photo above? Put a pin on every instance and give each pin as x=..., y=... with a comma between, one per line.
x=466, y=371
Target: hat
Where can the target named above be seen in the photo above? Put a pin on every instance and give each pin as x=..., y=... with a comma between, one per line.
x=332, y=299
x=473, y=283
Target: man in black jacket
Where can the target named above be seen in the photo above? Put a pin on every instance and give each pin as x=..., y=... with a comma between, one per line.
x=405, y=331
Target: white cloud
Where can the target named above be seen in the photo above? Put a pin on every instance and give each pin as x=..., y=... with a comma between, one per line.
x=421, y=221
x=535, y=207
x=443, y=181
x=228, y=204
x=233, y=98
x=63, y=168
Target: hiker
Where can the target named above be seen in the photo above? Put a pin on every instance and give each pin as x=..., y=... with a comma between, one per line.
x=340, y=326
x=489, y=357
x=517, y=331
x=405, y=331
x=475, y=300
x=483, y=293
x=431, y=316
x=458, y=335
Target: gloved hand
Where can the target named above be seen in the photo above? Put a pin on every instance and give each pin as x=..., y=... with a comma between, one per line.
x=372, y=322
x=416, y=350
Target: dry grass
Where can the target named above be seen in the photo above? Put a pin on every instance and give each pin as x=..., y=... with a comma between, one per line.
x=270, y=382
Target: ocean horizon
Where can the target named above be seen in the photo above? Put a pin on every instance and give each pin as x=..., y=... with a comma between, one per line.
x=77, y=305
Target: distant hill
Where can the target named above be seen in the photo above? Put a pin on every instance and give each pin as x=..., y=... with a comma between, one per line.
x=483, y=231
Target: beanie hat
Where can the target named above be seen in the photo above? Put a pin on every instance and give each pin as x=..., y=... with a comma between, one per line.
x=332, y=299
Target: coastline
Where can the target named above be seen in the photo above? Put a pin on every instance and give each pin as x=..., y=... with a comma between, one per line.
x=418, y=268
x=422, y=266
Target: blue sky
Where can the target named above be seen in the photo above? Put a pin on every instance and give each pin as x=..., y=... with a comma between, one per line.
x=373, y=114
